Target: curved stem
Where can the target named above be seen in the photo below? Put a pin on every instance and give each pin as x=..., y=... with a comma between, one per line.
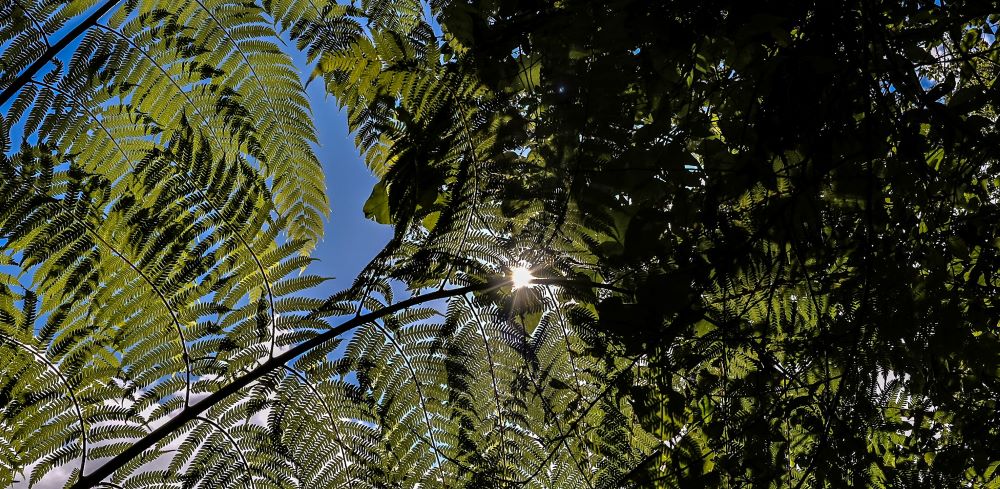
x=38, y=25
x=263, y=86
x=577, y=384
x=326, y=407
x=471, y=211
x=421, y=399
x=204, y=196
x=69, y=390
x=501, y=427
x=186, y=356
x=547, y=407
x=192, y=411
x=133, y=266
x=232, y=441
x=576, y=422
x=211, y=128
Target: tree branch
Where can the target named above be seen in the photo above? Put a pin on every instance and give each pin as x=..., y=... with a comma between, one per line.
x=194, y=411
x=25, y=77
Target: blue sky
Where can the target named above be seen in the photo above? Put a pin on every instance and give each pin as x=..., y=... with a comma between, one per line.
x=350, y=240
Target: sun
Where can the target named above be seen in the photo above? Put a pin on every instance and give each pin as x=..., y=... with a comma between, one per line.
x=521, y=276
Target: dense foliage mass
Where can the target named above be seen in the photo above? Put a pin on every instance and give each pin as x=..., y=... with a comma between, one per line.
x=765, y=235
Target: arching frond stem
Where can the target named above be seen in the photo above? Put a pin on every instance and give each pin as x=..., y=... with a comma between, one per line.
x=501, y=426
x=473, y=165
x=337, y=437
x=69, y=390
x=421, y=399
x=166, y=303
x=577, y=384
x=145, y=278
x=232, y=442
x=283, y=136
x=211, y=128
x=34, y=20
x=576, y=422
x=193, y=411
x=201, y=194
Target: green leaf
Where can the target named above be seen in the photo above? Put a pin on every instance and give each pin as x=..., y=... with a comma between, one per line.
x=377, y=206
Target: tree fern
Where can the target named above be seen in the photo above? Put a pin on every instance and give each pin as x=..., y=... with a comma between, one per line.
x=725, y=288
x=152, y=68
x=151, y=245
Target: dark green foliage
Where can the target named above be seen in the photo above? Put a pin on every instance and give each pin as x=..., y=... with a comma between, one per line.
x=802, y=197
